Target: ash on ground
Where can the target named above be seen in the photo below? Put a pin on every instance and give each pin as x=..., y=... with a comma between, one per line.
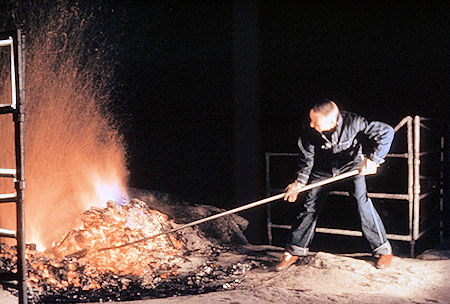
x=191, y=261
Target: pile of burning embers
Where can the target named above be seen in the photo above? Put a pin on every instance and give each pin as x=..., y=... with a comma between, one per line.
x=76, y=270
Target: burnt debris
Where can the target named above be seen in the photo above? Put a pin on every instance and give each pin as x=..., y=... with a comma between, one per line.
x=187, y=262
x=100, y=287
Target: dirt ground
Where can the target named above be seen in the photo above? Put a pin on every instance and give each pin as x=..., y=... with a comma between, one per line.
x=321, y=278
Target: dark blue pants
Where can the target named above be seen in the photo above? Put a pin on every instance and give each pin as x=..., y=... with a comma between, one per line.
x=303, y=228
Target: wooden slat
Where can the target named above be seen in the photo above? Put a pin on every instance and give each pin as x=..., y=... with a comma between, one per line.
x=8, y=198
x=8, y=172
x=6, y=42
x=7, y=233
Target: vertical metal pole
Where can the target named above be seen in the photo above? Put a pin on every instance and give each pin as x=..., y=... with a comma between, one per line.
x=409, y=140
x=416, y=198
x=19, y=124
x=13, y=78
x=268, y=193
x=441, y=191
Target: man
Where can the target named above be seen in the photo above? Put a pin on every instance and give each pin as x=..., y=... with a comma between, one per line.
x=329, y=146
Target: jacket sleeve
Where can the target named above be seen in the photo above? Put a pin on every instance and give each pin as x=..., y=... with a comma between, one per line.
x=381, y=135
x=306, y=158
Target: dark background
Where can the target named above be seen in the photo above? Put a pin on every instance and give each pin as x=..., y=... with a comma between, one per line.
x=181, y=87
x=203, y=88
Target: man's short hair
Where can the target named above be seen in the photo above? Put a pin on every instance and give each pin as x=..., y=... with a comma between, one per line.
x=324, y=106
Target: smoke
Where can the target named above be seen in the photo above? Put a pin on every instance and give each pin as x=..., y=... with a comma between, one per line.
x=74, y=154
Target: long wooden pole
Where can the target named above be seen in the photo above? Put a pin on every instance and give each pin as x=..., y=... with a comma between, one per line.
x=238, y=209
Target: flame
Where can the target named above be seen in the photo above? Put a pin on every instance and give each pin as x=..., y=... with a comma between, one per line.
x=115, y=225
x=146, y=262
x=40, y=247
x=75, y=157
x=108, y=190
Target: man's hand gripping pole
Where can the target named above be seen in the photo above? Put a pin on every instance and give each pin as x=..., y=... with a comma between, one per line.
x=238, y=209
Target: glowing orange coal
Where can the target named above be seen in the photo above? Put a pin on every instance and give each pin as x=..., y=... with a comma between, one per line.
x=75, y=157
x=83, y=264
x=115, y=225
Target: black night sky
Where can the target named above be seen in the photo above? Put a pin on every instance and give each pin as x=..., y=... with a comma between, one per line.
x=212, y=86
x=203, y=88
x=183, y=80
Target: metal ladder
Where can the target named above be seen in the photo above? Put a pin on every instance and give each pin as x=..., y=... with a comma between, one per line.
x=15, y=42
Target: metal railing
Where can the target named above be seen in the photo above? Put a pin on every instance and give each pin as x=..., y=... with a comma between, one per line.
x=15, y=42
x=415, y=195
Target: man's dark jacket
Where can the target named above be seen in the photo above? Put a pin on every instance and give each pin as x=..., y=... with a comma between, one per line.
x=343, y=151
